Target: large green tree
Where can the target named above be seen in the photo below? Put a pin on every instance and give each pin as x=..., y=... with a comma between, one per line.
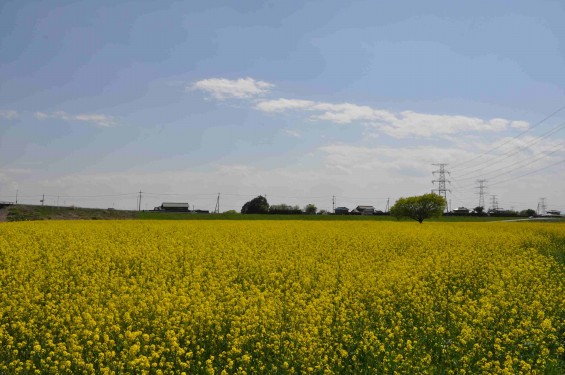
x=257, y=205
x=419, y=207
x=311, y=209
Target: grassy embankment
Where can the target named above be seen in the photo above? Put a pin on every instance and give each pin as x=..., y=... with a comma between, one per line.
x=23, y=212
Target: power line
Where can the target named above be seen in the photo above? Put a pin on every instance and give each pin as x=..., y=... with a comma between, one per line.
x=530, y=173
x=536, y=158
x=515, y=137
x=489, y=163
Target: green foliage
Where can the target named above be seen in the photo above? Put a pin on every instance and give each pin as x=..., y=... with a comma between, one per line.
x=284, y=209
x=479, y=210
x=419, y=208
x=257, y=205
x=230, y=212
x=310, y=209
x=529, y=212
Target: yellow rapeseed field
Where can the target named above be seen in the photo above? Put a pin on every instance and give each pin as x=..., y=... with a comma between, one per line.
x=286, y=297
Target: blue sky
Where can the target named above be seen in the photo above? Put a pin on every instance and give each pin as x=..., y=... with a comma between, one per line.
x=297, y=100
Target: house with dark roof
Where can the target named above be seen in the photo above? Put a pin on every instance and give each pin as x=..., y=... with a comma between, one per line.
x=174, y=207
x=341, y=211
x=363, y=210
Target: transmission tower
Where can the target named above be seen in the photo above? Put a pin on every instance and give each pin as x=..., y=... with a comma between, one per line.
x=217, y=209
x=542, y=206
x=441, y=189
x=482, y=192
x=493, y=203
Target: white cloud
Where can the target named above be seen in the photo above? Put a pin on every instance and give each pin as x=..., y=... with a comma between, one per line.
x=292, y=133
x=520, y=125
x=411, y=123
x=343, y=113
x=222, y=88
x=8, y=114
x=41, y=115
x=400, y=125
x=281, y=105
x=100, y=120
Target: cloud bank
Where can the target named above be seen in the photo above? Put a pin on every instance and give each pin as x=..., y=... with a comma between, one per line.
x=395, y=124
x=398, y=125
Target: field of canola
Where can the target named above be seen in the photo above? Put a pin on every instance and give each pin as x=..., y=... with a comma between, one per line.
x=281, y=297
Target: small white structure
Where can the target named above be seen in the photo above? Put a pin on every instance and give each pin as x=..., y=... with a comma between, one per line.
x=552, y=213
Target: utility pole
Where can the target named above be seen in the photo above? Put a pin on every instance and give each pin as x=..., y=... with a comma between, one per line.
x=16, y=196
x=139, y=202
x=482, y=191
x=217, y=209
x=43, y=200
x=333, y=204
x=387, y=204
x=441, y=189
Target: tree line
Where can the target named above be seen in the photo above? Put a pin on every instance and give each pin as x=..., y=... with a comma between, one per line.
x=418, y=208
x=259, y=205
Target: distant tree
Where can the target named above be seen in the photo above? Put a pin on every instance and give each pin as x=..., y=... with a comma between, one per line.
x=529, y=212
x=279, y=208
x=310, y=209
x=479, y=210
x=322, y=212
x=419, y=207
x=284, y=209
x=257, y=205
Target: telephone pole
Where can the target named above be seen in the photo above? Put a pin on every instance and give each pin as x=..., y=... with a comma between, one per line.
x=441, y=189
x=387, y=204
x=43, y=200
x=482, y=191
x=139, y=202
x=333, y=204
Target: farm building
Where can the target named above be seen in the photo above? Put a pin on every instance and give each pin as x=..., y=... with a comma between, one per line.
x=341, y=211
x=553, y=213
x=461, y=210
x=173, y=207
x=363, y=210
